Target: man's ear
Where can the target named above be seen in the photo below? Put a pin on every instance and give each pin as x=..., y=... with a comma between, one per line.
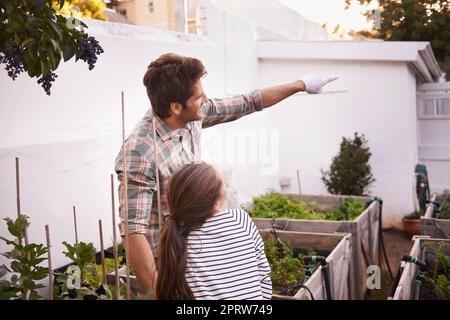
x=176, y=108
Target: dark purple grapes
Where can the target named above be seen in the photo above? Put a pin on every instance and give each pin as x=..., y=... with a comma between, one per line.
x=46, y=81
x=11, y=55
x=88, y=49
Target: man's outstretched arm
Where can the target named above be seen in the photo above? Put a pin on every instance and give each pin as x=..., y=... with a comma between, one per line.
x=275, y=94
x=311, y=84
x=217, y=111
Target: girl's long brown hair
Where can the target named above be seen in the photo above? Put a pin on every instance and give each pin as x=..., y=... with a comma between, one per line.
x=191, y=193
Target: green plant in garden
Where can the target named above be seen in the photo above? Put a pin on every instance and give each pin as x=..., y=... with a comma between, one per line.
x=350, y=209
x=89, y=285
x=286, y=270
x=275, y=205
x=438, y=275
x=80, y=279
x=445, y=209
x=25, y=264
x=110, y=265
x=350, y=172
x=81, y=254
x=35, y=38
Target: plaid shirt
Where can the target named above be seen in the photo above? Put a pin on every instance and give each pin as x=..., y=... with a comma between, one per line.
x=173, y=149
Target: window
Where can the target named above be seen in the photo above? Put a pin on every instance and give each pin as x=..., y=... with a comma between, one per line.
x=151, y=7
x=443, y=106
x=428, y=107
x=434, y=108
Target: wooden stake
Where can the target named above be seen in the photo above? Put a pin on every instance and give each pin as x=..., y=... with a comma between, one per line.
x=125, y=178
x=116, y=253
x=299, y=186
x=25, y=233
x=102, y=250
x=50, y=272
x=75, y=224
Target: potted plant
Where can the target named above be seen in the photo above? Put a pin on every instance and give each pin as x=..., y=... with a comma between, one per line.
x=411, y=222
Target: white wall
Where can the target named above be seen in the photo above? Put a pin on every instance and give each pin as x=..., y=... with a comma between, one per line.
x=280, y=20
x=380, y=103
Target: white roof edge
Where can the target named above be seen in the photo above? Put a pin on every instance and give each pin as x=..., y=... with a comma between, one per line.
x=417, y=54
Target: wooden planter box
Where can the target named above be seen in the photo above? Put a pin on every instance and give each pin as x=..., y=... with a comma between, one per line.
x=339, y=263
x=433, y=227
x=364, y=231
x=406, y=285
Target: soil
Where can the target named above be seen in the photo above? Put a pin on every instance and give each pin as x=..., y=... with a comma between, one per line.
x=397, y=244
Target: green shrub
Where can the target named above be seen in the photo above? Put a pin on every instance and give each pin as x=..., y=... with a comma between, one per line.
x=350, y=171
x=276, y=205
x=286, y=269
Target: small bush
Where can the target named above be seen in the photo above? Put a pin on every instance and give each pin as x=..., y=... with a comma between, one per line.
x=350, y=171
x=276, y=205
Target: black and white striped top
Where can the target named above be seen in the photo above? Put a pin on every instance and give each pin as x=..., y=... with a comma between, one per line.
x=226, y=259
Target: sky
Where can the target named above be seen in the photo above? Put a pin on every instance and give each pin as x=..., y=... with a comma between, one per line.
x=332, y=12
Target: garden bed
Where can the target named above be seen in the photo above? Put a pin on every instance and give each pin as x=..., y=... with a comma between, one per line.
x=434, y=283
x=364, y=228
x=336, y=248
x=436, y=221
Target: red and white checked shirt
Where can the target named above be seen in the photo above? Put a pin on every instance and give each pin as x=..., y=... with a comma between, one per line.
x=173, y=149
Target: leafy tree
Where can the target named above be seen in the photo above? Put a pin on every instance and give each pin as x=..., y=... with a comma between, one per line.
x=414, y=20
x=35, y=38
x=350, y=171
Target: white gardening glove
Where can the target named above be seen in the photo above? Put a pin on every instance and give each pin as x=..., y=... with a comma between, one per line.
x=314, y=83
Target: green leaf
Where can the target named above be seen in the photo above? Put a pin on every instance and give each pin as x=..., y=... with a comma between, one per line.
x=16, y=266
x=36, y=5
x=17, y=227
x=9, y=242
x=68, y=51
x=39, y=275
x=27, y=42
x=57, y=29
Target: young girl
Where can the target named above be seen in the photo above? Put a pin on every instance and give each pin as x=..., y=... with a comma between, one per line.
x=206, y=253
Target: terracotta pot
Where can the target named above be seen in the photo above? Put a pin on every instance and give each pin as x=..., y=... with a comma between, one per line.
x=411, y=226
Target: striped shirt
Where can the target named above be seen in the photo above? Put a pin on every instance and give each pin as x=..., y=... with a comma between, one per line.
x=226, y=259
x=173, y=149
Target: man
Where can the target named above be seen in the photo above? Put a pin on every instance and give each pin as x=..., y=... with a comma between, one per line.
x=181, y=111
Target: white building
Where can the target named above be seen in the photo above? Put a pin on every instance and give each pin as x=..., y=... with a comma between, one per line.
x=67, y=142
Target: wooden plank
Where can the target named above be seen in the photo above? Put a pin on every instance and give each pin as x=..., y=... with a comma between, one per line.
x=339, y=261
x=435, y=228
x=299, y=225
x=317, y=241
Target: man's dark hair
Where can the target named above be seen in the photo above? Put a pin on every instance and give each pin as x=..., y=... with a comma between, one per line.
x=172, y=78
